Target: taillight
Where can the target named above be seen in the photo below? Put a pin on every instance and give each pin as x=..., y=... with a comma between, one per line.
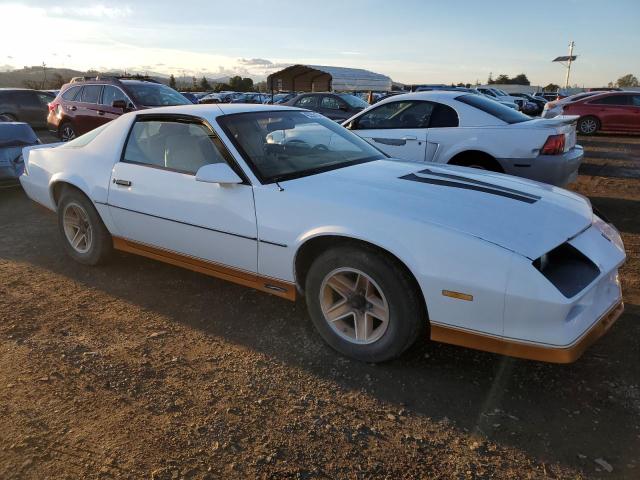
x=52, y=106
x=554, y=145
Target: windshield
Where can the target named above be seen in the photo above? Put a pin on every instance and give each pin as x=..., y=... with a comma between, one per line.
x=353, y=101
x=283, y=145
x=493, y=108
x=155, y=95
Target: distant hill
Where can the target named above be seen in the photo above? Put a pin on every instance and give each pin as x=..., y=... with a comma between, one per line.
x=54, y=78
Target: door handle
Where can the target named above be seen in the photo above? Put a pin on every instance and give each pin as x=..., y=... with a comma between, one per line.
x=124, y=183
x=73, y=108
x=100, y=112
x=409, y=137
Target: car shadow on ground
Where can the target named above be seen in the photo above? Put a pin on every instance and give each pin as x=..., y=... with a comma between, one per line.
x=554, y=412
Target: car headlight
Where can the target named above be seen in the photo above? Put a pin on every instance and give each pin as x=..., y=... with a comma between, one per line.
x=608, y=231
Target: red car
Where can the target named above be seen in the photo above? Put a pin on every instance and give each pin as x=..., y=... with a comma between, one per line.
x=611, y=111
x=86, y=103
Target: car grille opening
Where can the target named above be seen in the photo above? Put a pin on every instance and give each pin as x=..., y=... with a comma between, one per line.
x=568, y=269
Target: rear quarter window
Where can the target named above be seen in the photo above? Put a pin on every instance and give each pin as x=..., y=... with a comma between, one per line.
x=493, y=108
x=70, y=93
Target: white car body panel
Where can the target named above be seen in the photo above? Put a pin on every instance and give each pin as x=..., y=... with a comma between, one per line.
x=454, y=228
x=516, y=147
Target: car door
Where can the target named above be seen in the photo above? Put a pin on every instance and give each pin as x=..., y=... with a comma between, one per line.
x=334, y=108
x=107, y=111
x=87, y=117
x=397, y=128
x=613, y=111
x=30, y=108
x=155, y=200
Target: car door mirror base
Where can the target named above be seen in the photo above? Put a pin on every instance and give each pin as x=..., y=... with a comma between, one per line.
x=217, y=173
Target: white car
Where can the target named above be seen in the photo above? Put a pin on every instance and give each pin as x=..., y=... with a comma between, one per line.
x=383, y=251
x=469, y=130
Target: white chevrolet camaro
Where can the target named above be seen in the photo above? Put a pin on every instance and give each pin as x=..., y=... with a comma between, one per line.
x=385, y=251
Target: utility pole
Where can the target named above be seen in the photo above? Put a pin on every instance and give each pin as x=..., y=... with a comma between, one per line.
x=571, y=45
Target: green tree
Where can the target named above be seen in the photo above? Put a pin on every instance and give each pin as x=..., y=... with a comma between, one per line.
x=520, y=79
x=502, y=79
x=204, y=84
x=628, y=80
x=172, y=81
x=240, y=84
x=552, y=87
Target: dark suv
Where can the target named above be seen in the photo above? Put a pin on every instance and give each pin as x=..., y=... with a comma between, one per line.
x=86, y=103
x=336, y=106
x=24, y=105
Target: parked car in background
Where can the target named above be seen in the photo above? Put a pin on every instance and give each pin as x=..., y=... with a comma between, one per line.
x=14, y=136
x=213, y=98
x=336, y=106
x=501, y=95
x=460, y=128
x=539, y=102
x=190, y=96
x=612, y=111
x=283, y=97
x=384, y=251
x=551, y=96
x=87, y=103
x=25, y=105
x=554, y=107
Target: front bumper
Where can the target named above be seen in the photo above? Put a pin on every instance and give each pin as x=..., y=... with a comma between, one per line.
x=558, y=170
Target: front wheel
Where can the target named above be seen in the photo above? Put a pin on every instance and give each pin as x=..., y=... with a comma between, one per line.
x=364, y=304
x=588, y=125
x=84, y=236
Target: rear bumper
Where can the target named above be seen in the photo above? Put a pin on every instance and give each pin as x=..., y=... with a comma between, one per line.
x=558, y=170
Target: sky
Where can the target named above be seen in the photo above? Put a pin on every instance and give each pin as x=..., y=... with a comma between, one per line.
x=410, y=41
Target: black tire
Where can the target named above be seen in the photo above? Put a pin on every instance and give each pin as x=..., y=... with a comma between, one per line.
x=66, y=132
x=101, y=244
x=407, y=317
x=588, y=125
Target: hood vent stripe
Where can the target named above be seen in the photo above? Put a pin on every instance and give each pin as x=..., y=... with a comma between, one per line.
x=468, y=186
x=426, y=171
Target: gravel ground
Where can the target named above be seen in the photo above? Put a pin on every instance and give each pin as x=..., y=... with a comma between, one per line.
x=138, y=370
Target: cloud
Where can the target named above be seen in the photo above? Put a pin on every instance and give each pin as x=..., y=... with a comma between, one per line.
x=262, y=62
x=350, y=53
x=94, y=12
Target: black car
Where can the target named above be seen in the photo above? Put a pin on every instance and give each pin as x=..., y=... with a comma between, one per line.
x=336, y=106
x=530, y=98
x=25, y=105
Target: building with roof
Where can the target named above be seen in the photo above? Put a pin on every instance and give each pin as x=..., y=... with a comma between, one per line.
x=321, y=78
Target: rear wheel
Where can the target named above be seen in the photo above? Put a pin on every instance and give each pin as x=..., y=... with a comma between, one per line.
x=588, y=125
x=84, y=236
x=7, y=117
x=363, y=304
x=66, y=132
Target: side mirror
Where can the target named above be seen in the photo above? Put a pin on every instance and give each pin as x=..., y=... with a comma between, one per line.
x=121, y=104
x=217, y=173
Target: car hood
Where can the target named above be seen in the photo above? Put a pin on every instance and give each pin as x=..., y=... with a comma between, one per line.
x=523, y=216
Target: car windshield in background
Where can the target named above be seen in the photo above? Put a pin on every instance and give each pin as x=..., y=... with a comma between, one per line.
x=506, y=114
x=156, y=95
x=285, y=145
x=353, y=101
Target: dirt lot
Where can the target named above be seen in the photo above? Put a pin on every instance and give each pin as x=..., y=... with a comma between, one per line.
x=141, y=370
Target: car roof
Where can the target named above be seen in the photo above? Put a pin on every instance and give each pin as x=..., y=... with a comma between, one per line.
x=428, y=95
x=212, y=110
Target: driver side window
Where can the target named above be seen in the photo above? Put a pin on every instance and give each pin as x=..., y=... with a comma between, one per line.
x=396, y=115
x=330, y=103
